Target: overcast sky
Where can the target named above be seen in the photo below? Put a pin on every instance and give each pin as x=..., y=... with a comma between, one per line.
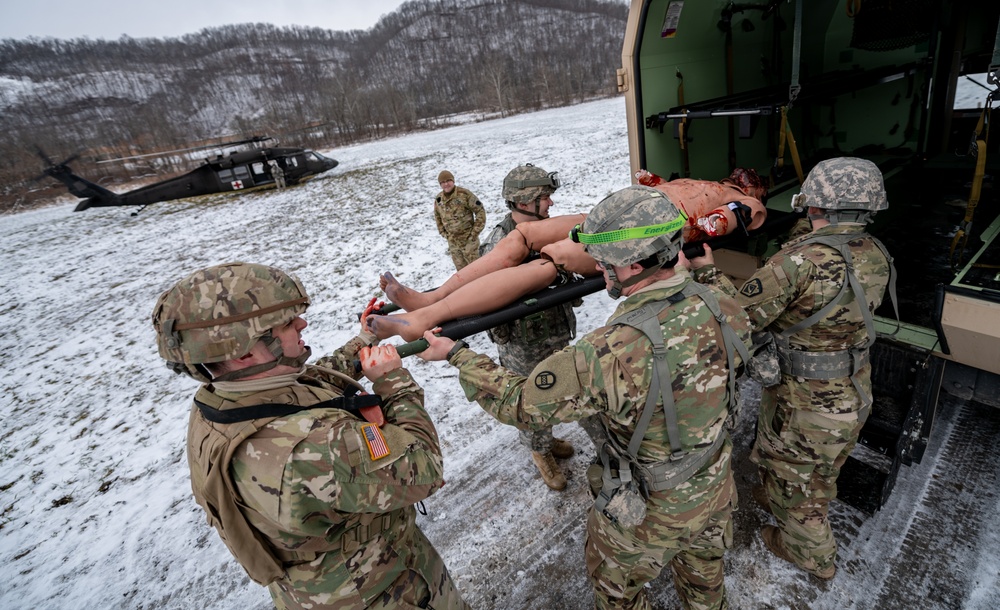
x=110, y=19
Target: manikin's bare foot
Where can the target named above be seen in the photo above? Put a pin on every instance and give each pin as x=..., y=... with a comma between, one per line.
x=409, y=326
x=407, y=298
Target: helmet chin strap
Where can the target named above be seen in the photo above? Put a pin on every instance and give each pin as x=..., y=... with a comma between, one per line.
x=617, y=286
x=273, y=345
x=536, y=214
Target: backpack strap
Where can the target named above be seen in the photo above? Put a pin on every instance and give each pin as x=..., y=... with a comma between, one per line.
x=827, y=365
x=681, y=464
x=351, y=404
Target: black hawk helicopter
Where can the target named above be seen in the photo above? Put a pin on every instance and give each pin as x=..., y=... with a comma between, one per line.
x=231, y=172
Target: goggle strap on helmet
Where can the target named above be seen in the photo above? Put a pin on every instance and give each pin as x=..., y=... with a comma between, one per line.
x=551, y=180
x=239, y=317
x=631, y=233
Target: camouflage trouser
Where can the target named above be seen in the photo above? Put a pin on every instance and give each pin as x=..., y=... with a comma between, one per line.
x=463, y=253
x=800, y=451
x=424, y=583
x=690, y=534
x=539, y=441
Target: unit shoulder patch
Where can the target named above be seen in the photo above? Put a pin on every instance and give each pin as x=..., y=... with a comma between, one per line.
x=545, y=380
x=553, y=380
x=752, y=288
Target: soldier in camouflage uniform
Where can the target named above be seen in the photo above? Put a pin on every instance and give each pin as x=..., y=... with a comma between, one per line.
x=460, y=218
x=309, y=485
x=664, y=490
x=524, y=343
x=816, y=297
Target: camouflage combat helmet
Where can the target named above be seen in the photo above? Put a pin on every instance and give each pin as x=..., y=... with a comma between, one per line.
x=219, y=313
x=847, y=189
x=528, y=183
x=629, y=226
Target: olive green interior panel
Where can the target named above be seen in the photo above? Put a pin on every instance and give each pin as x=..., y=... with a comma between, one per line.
x=696, y=56
x=717, y=50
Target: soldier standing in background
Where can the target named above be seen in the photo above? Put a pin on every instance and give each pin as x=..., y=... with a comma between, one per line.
x=659, y=377
x=816, y=298
x=277, y=173
x=523, y=343
x=310, y=486
x=460, y=218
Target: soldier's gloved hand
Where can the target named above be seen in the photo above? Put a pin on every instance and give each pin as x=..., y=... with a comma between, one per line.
x=437, y=347
x=378, y=360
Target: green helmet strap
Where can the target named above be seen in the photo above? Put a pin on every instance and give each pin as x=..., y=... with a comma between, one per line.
x=630, y=233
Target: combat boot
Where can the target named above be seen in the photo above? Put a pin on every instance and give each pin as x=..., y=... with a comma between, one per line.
x=561, y=449
x=551, y=474
x=772, y=540
x=759, y=495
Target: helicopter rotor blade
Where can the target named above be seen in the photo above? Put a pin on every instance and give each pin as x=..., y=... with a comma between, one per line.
x=45, y=158
x=253, y=140
x=53, y=166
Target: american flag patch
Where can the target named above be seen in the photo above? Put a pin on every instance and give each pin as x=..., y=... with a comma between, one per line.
x=376, y=442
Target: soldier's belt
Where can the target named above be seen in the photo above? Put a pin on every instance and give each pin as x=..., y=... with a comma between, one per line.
x=822, y=365
x=671, y=473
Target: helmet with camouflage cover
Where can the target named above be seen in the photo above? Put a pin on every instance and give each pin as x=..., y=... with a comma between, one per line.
x=526, y=184
x=630, y=226
x=848, y=189
x=219, y=313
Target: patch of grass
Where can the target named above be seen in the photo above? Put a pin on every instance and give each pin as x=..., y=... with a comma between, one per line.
x=82, y=416
x=9, y=485
x=37, y=476
x=63, y=501
x=82, y=432
x=105, y=486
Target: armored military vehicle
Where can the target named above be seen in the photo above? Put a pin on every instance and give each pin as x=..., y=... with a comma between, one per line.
x=780, y=85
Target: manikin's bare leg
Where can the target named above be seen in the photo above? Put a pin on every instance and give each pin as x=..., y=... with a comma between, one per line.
x=509, y=252
x=481, y=295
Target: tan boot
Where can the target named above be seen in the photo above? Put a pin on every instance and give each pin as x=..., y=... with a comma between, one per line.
x=759, y=496
x=551, y=474
x=772, y=540
x=561, y=449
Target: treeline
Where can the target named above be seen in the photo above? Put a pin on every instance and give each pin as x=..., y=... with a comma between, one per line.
x=307, y=86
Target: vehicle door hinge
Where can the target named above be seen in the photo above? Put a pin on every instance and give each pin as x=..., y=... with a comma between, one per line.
x=622, y=76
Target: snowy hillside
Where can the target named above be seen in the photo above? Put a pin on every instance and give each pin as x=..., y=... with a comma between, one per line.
x=95, y=504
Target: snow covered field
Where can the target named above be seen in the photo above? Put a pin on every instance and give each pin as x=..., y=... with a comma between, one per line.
x=95, y=504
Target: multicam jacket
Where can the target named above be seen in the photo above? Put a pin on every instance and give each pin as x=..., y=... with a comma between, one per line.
x=524, y=343
x=330, y=498
x=460, y=216
x=802, y=278
x=608, y=373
